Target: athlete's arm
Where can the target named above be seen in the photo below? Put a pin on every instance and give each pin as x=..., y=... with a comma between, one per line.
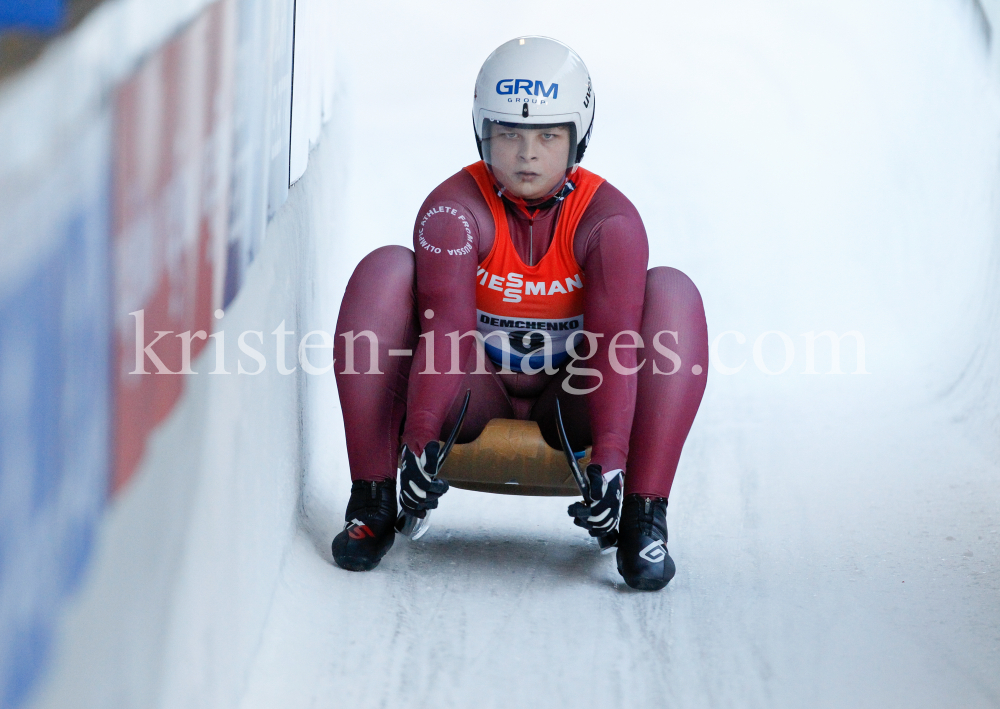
x=614, y=254
x=446, y=248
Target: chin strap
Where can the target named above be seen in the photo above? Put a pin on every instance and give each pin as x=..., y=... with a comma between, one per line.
x=560, y=194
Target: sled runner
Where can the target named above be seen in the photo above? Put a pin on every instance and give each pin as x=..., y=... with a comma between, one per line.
x=510, y=457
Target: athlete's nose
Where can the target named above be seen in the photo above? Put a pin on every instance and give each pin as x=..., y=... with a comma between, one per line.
x=529, y=148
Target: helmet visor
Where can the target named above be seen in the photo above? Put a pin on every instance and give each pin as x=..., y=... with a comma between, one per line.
x=529, y=159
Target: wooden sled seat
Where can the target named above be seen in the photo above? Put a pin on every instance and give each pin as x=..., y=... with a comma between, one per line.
x=511, y=458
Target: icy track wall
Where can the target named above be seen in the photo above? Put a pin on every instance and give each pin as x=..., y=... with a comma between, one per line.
x=145, y=163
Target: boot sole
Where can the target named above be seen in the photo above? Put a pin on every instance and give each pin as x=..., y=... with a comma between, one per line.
x=647, y=583
x=359, y=563
x=355, y=564
x=641, y=584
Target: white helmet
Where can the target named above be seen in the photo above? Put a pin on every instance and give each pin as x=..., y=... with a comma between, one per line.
x=532, y=82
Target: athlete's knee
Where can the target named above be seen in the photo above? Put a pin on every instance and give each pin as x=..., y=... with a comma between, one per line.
x=385, y=269
x=670, y=283
x=383, y=282
x=387, y=263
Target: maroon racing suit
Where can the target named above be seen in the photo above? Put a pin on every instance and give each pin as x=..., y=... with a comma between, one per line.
x=636, y=421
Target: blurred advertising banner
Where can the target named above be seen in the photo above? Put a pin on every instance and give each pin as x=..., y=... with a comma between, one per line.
x=55, y=392
x=121, y=233
x=170, y=215
x=31, y=14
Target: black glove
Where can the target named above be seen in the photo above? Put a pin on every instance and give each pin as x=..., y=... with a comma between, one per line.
x=601, y=515
x=419, y=488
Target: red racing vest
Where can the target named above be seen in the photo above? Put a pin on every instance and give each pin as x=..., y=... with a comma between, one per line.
x=526, y=313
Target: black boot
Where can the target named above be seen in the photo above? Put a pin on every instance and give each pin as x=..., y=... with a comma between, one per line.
x=369, y=532
x=643, y=560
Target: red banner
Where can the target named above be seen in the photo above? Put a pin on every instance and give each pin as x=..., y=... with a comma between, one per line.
x=170, y=206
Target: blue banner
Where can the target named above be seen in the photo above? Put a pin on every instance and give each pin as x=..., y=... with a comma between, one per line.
x=55, y=405
x=31, y=14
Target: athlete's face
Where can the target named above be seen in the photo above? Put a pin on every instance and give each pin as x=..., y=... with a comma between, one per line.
x=529, y=162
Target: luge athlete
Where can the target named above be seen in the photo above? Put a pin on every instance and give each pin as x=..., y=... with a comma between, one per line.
x=544, y=260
